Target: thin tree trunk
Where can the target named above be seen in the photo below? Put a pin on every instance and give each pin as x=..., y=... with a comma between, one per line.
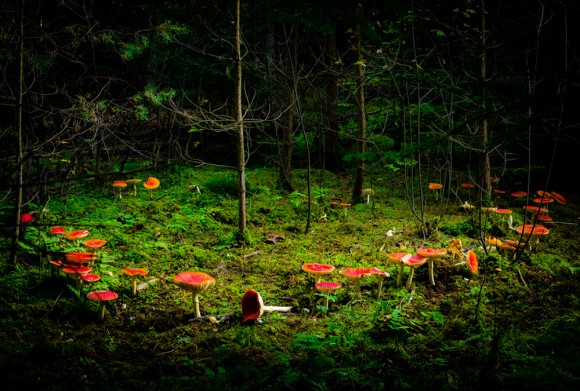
x=484, y=162
x=240, y=127
x=361, y=137
x=19, y=196
x=331, y=158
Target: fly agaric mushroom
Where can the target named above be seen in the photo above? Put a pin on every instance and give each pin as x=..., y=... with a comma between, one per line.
x=345, y=206
x=133, y=272
x=413, y=262
x=397, y=258
x=77, y=235
x=467, y=185
x=150, y=184
x=90, y=278
x=519, y=194
x=472, y=261
x=77, y=272
x=382, y=275
x=317, y=270
x=541, y=219
x=355, y=274
x=431, y=254
x=368, y=193
x=58, y=231
x=559, y=198
x=133, y=181
x=325, y=287
x=194, y=282
x=27, y=218
x=507, y=249
x=533, y=231
x=80, y=258
x=435, y=187
x=94, y=243
x=102, y=297
x=253, y=307
x=455, y=247
x=119, y=186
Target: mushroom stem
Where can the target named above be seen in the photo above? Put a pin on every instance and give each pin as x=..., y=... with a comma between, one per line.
x=196, y=304
x=272, y=308
x=134, y=285
x=410, y=278
x=400, y=276
x=431, y=272
x=357, y=288
x=102, y=310
x=380, y=288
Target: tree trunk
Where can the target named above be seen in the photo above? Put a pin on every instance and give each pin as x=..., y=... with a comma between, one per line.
x=285, y=173
x=20, y=156
x=331, y=158
x=361, y=137
x=484, y=162
x=240, y=127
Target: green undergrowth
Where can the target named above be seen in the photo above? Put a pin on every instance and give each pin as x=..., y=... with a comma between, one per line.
x=513, y=325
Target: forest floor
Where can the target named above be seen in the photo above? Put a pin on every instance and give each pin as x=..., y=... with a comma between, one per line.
x=513, y=325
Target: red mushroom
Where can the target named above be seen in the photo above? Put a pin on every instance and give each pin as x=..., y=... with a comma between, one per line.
x=435, y=187
x=80, y=258
x=355, y=274
x=150, y=184
x=431, y=254
x=325, y=287
x=413, y=262
x=194, y=282
x=253, y=307
x=133, y=272
x=27, y=218
x=77, y=235
x=397, y=258
x=559, y=198
x=119, y=186
x=77, y=272
x=533, y=231
x=472, y=261
x=381, y=274
x=317, y=270
x=94, y=243
x=519, y=194
x=102, y=297
x=58, y=231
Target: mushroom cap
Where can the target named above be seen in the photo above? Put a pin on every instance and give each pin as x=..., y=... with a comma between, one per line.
x=133, y=181
x=366, y=192
x=90, y=277
x=488, y=209
x=467, y=185
x=378, y=272
x=498, y=191
x=435, y=186
x=76, y=270
x=519, y=194
x=317, y=268
x=355, y=273
x=80, y=257
x=94, y=243
x=543, y=193
x=559, y=198
x=398, y=257
x=325, y=286
x=58, y=231
x=543, y=200
x=543, y=218
x=252, y=306
x=415, y=260
x=456, y=244
x=503, y=211
x=345, y=204
x=102, y=295
x=515, y=243
x=119, y=184
x=151, y=183
x=506, y=246
x=26, y=218
x=194, y=281
x=535, y=209
x=78, y=234
x=472, y=261
x=490, y=241
x=135, y=271
x=530, y=229
x=494, y=179
x=431, y=252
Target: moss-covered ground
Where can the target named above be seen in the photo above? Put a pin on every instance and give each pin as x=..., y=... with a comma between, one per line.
x=514, y=325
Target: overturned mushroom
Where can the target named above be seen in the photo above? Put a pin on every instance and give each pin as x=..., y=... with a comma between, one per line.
x=253, y=307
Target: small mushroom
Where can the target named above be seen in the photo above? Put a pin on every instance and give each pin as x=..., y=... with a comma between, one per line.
x=102, y=297
x=325, y=287
x=435, y=187
x=431, y=254
x=472, y=261
x=317, y=270
x=381, y=275
x=78, y=273
x=94, y=243
x=559, y=198
x=133, y=181
x=253, y=307
x=80, y=258
x=77, y=235
x=355, y=274
x=150, y=184
x=397, y=258
x=133, y=272
x=368, y=193
x=413, y=262
x=194, y=282
x=119, y=186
